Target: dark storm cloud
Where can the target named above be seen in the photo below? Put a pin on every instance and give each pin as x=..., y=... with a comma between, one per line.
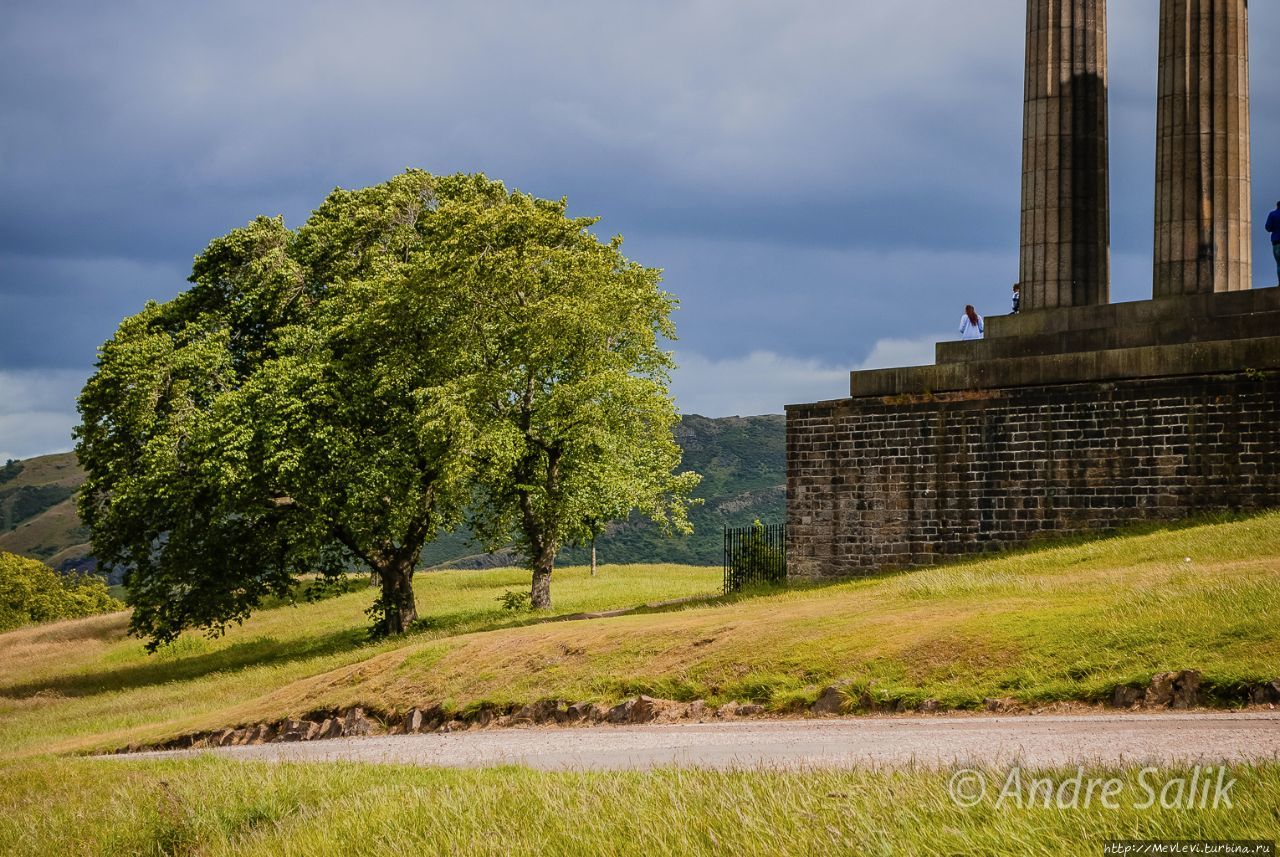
x=814, y=177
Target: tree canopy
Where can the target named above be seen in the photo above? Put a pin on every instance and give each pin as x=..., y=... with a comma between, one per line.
x=337, y=395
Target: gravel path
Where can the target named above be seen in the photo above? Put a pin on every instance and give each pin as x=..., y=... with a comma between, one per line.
x=880, y=742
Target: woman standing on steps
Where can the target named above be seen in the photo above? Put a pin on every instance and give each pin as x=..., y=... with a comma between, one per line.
x=971, y=324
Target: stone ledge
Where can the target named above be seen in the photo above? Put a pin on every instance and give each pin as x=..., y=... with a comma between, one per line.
x=1204, y=306
x=1177, y=329
x=1160, y=361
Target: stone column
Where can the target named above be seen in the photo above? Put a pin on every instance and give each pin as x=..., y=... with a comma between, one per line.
x=1203, y=221
x=1066, y=223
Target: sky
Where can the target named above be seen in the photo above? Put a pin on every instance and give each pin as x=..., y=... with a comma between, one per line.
x=825, y=184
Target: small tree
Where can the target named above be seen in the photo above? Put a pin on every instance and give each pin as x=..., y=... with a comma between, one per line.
x=569, y=379
x=276, y=419
x=32, y=592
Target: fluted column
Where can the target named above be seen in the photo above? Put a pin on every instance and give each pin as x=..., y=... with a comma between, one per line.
x=1203, y=222
x=1066, y=222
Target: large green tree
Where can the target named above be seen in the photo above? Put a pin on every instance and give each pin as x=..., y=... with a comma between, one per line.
x=263, y=426
x=340, y=394
x=569, y=377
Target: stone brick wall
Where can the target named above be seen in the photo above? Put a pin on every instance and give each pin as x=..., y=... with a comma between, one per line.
x=877, y=483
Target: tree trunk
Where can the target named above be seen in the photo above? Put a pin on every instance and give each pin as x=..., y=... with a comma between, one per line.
x=540, y=596
x=593, y=556
x=400, y=610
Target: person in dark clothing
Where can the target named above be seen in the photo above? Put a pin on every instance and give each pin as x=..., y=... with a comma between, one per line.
x=1017, y=298
x=1273, y=226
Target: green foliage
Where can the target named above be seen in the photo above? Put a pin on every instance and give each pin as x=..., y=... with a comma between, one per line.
x=568, y=380
x=32, y=592
x=10, y=470
x=515, y=601
x=757, y=560
x=340, y=394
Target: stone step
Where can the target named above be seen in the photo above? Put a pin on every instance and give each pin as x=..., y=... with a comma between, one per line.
x=1204, y=306
x=1260, y=354
x=1171, y=329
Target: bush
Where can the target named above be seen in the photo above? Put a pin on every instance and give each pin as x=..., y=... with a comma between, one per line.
x=31, y=592
x=757, y=558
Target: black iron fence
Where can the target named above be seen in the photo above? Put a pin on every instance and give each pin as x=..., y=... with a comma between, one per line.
x=754, y=555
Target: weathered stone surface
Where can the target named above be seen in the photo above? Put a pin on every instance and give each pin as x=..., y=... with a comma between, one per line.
x=1065, y=258
x=620, y=713
x=299, y=730
x=330, y=728
x=1265, y=694
x=1173, y=690
x=833, y=700
x=579, y=712
x=454, y=726
x=484, y=717
x=356, y=724
x=1203, y=235
x=1127, y=696
x=648, y=709
x=262, y=733
x=882, y=483
x=929, y=706
x=543, y=711
x=697, y=710
x=414, y=721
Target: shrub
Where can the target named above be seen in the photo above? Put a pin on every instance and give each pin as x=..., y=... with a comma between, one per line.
x=31, y=592
x=516, y=601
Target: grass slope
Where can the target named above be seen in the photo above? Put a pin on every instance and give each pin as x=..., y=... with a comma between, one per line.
x=85, y=684
x=215, y=807
x=1065, y=622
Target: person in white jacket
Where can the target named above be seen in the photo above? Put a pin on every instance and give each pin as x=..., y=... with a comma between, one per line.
x=971, y=324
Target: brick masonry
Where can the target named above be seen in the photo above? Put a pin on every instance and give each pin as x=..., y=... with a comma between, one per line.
x=900, y=481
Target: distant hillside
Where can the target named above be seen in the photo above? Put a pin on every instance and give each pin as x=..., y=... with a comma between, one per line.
x=38, y=514
x=744, y=473
x=742, y=461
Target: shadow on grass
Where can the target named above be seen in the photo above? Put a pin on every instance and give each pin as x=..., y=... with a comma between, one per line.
x=996, y=551
x=158, y=669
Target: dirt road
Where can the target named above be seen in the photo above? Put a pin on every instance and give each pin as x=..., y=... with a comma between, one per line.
x=880, y=742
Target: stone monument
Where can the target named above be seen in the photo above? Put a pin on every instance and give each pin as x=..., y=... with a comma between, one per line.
x=1066, y=257
x=1077, y=415
x=1203, y=223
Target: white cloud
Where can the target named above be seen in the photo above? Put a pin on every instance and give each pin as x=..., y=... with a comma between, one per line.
x=892, y=353
x=37, y=411
x=758, y=383
x=763, y=382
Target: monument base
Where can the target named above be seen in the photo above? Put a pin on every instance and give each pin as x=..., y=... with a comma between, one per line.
x=1034, y=437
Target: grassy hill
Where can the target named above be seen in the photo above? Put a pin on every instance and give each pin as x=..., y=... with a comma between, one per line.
x=37, y=510
x=1064, y=622
x=742, y=460
x=1058, y=623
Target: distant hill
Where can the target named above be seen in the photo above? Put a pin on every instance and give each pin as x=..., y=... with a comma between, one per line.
x=38, y=511
x=743, y=464
x=742, y=461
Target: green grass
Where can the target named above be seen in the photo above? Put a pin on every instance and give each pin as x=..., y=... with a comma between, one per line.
x=212, y=807
x=74, y=685
x=1059, y=623
x=1054, y=623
